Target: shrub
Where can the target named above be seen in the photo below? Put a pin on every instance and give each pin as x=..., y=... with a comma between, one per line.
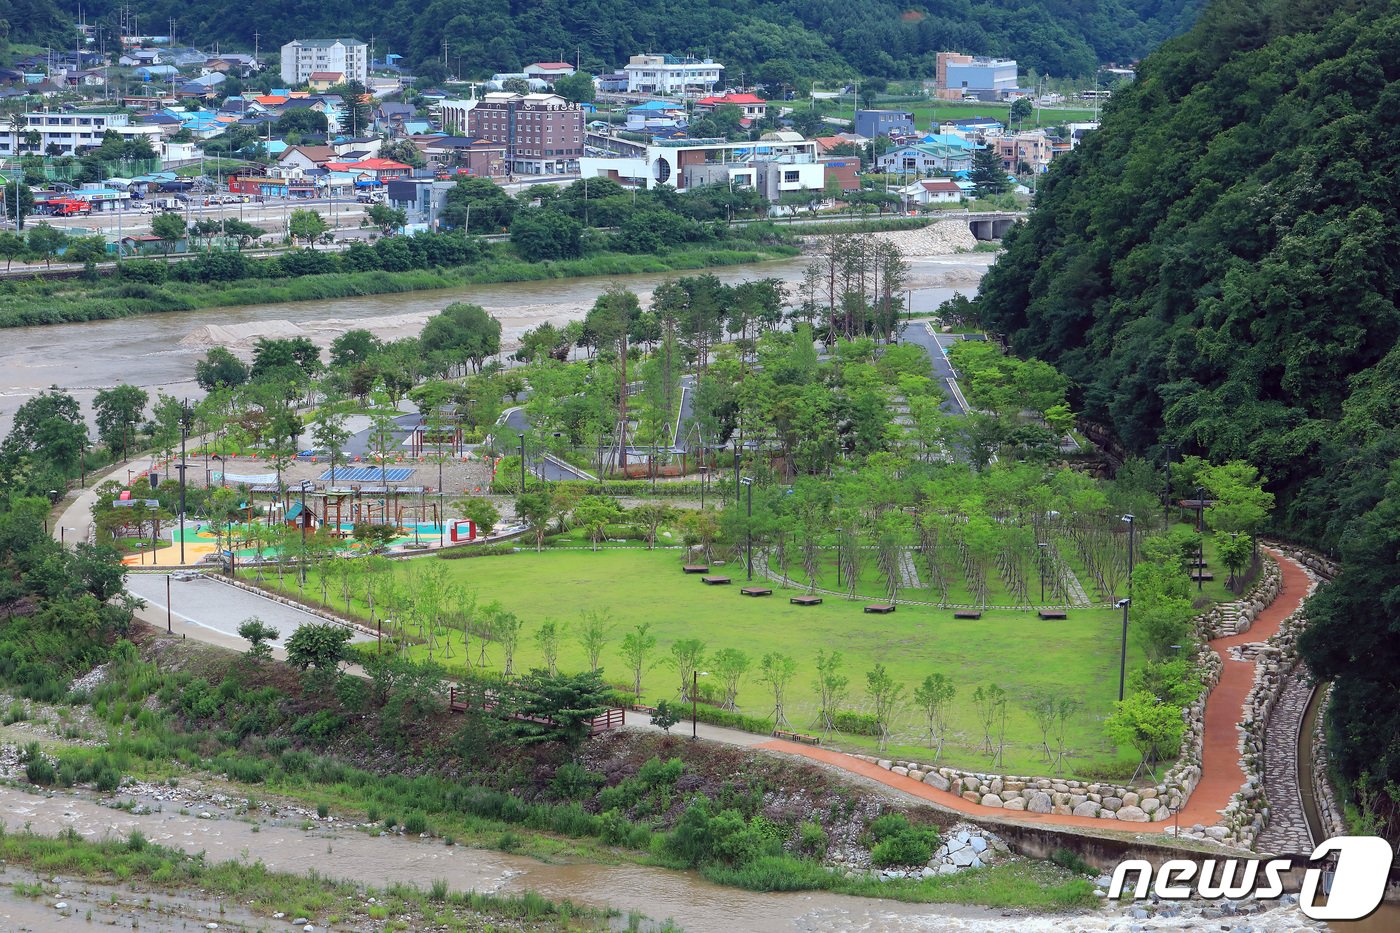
x=908, y=848
x=37, y=767
x=853, y=723
x=415, y=823
x=811, y=840
x=1071, y=860
x=574, y=782
x=890, y=824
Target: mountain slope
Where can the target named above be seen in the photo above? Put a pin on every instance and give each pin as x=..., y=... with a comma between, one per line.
x=1218, y=267
x=828, y=37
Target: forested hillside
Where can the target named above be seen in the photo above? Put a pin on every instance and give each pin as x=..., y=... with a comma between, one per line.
x=36, y=22
x=812, y=37
x=1217, y=268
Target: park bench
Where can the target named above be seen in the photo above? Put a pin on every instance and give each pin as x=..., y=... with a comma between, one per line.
x=756, y=591
x=696, y=568
x=806, y=600
x=1053, y=614
x=714, y=581
x=880, y=608
x=968, y=614
x=802, y=737
x=1202, y=575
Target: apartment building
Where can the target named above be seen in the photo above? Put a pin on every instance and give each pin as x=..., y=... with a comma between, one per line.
x=777, y=164
x=301, y=58
x=543, y=133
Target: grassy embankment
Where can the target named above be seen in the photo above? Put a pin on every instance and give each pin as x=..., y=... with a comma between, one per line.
x=25, y=303
x=135, y=862
x=1014, y=649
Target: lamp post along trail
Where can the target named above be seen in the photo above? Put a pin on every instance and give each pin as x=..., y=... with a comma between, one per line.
x=748, y=526
x=1123, y=652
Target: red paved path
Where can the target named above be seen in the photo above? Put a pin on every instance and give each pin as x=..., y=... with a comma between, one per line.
x=1221, y=774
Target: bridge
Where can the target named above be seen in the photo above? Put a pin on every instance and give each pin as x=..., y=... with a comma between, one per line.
x=992, y=225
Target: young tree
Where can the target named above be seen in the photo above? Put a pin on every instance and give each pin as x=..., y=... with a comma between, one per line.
x=987, y=173
x=46, y=242
x=1234, y=551
x=220, y=369
x=933, y=696
x=386, y=218
x=463, y=333
x=306, y=225
x=886, y=695
x=832, y=686
x=1066, y=708
x=570, y=701
x=170, y=228
x=257, y=633
x=119, y=410
x=19, y=201
x=592, y=633
x=533, y=508
x=988, y=701
x=686, y=655
x=1152, y=727
x=329, y=433
x=547, y=640
x=637, y=646
x=777, y=670
x=729, y=665
x=651, y=516
x=665, y=716
x=595, y=513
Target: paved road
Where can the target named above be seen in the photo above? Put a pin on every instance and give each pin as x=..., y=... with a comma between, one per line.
x=217, y=608
x=935, y=346
x=514, y=423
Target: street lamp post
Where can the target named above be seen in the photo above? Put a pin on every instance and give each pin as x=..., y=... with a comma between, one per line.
x=1040, y=550
x=1128, y=520
x=522, y=464
x=838, y=557
x=1123, y=653
x=695, y=676
x=184, y=434
x=748, y=527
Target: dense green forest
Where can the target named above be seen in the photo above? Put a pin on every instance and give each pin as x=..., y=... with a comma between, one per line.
x=36, y=22
x=1217, y=268
x=810, y=38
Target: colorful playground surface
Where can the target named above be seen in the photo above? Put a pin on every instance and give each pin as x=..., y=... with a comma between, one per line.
x=200, y=542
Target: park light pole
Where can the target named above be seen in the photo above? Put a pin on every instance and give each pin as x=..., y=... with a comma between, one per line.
x=1128, y=520
x=1040, y=551
x=1123, y=653
x=747, y=481
x=522, y=464
x=839, y=531
x=185, y=415
x=695, y=676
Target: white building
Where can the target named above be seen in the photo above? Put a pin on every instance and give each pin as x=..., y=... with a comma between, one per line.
x=70, y=132
x=671, y=75
x=302, y=57
x=777, y=164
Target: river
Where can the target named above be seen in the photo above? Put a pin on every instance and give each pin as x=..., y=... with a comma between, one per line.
x=158, y=351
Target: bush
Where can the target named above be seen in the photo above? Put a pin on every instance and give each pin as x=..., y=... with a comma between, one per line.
x=890, y=824
x=1071, y=860
x=853, y=723
x=656, y=774
x=415, y=823
x=574, y=782
x=909, y=848
x=37, y=767
x=773, y=873
x=811, y=840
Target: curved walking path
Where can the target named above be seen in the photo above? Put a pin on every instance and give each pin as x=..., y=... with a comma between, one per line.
x=1221, y=774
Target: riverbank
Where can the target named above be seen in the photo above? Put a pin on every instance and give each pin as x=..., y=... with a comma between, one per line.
x=40, y=302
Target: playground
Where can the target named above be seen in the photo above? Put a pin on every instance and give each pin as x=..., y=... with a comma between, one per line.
x=1016, y=650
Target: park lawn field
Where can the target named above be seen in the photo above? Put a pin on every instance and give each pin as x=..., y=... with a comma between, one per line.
x=1016, y=650
x=927, y=113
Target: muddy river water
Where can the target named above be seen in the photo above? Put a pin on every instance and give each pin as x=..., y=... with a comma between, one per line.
x=158, y=351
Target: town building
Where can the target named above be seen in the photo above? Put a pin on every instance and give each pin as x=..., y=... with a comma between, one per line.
x=843, y=170
x=959, y=76
x=543, y=133
x=928, y=191
x=928, y=158
x=420, y=199
x=614, y=83
x=671, y=75
x=548, y=72
x=468, y=155
x=1030, y=151
x=301, y=58
x=751, y=106
x=777, y=164
x=70, y=132
x=872, y=123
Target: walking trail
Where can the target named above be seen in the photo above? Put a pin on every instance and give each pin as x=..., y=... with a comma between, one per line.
x=1221, y=774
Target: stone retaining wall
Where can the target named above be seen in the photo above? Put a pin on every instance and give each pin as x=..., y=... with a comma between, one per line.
x=1334, y=821
x=1101, y=799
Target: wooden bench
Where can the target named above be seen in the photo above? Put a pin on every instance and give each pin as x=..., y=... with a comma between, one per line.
x=967, y=614
x=696, y=568
x=1202, y=575
x=756, y=591
x=1053, y=614
x=802, y=737
x=880, y=608
x=806, y=600
x=714, y=581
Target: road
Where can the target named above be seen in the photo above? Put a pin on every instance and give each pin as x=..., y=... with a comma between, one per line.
x=549, y=468
x=916, y=332
x=216, y=609
x=343, y=214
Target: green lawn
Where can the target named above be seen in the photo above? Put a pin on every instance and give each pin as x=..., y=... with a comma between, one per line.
x=927, y=112
x=1016, y=650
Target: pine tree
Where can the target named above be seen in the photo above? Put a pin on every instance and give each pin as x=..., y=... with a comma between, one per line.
x=987, y=173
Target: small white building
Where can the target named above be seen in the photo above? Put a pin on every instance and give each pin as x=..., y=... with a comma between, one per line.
x=671, y=75
x=777, y=164
x=549, y=72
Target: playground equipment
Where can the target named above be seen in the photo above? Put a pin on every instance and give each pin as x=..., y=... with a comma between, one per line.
x=463, y=529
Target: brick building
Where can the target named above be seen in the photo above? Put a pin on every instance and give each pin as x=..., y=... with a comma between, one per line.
x=543, y=133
